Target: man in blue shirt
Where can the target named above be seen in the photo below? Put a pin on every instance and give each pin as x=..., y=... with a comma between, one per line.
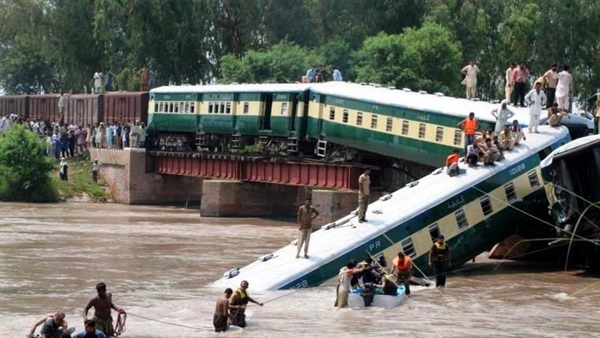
x=90, y=331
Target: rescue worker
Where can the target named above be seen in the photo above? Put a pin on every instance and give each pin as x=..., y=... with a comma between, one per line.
x=52, y=325
x=102, y=305
x=364, y=184
x=452, y=163
x=402, y=267
x=440, y=256
x=469, y=126
x=237, y=305
x=388, y=284
x=306, y=214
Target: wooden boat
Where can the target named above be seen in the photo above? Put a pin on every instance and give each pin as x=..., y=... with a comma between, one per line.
x=357, y=301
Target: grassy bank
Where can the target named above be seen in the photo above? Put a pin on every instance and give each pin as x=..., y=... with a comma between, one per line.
x=80, y=185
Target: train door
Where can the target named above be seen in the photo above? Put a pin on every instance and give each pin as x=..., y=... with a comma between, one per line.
x=321, y=108
x=235, y=102
x=294, y=112
x=266, y=114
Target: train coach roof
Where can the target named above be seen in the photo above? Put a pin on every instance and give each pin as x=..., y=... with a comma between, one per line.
x=431, y=103
x=235, y=88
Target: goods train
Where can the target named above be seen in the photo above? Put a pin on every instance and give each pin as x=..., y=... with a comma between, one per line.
x=82, y=109
x=334, y=120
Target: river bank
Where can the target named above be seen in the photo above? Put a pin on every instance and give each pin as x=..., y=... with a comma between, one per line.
x=80, y=187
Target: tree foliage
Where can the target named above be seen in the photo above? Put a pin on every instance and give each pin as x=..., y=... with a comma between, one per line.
x=54, y=45
x=24, y=167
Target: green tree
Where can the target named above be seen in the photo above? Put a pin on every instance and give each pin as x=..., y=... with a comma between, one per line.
x=24, y=168
x=421, y=59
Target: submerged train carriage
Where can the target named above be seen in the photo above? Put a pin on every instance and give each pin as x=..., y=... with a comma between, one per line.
x=238, y=115
x=412, y=126
x=473, y=211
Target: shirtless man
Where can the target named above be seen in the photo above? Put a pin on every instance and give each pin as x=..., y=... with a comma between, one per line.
x=221, y=311
x=102, y=305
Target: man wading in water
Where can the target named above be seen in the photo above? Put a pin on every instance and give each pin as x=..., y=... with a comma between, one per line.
x=220, y=317
x=102, y=305
x=237, y=305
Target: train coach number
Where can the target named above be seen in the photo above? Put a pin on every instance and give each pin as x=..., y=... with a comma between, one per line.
x=515, y=170
x=302, y=284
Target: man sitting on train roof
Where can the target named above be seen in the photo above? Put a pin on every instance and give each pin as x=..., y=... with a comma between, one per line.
x=473, y=152
x=452, y=168
x=491, y=154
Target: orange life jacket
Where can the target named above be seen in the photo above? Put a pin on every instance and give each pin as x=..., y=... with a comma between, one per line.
x=405, y=266
x=470, y=126
x=452, y=158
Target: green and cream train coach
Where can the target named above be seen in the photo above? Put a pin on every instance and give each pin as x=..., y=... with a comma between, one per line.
x=184, y=117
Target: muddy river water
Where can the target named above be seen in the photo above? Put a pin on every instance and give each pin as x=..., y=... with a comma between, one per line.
x=159, y=262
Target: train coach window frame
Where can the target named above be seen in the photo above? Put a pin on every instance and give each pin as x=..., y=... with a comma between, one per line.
x=359, y=118
x=374, y=121
x=221, y=107
x=192, y=107
x=186, y=107
x=534, y=181
x=171, y=107
x=511, y=194
x=228, y=108
x=246, y=109
x=331, y=113
x=389, y=124
x=156, y=107
x=176, y=107
x=405, y=127
x=408, y=247
x=284, y=108
x=434, y=231
x=457, y=137
x=486, y=205
x=439, y=134
x=345, y=116
x=461, y=219
x=210, y=107
x=422, y=130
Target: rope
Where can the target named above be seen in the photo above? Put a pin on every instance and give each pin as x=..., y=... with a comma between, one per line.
x=167, y=323
x=120, y=325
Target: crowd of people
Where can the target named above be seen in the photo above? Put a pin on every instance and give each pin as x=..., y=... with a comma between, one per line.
x=100, y=326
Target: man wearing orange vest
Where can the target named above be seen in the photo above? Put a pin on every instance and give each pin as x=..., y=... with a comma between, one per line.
x=402, y=266
x=452, y=163
x=469, y=126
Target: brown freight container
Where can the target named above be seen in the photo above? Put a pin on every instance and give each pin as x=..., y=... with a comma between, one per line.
x=14, y=104
x=84, y=109
x=44, y=107
x=126, y=107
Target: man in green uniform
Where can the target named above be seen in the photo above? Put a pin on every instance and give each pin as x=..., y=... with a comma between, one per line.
x=237, y=305
x=440, y=256
x=306, y=214
x=364, y=185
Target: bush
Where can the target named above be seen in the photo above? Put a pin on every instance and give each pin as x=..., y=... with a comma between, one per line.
x=24, y=168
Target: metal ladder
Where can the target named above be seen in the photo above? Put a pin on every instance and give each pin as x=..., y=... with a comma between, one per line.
x=292, y=144
x=236, y=141
x=322, y=148
x=201, y=140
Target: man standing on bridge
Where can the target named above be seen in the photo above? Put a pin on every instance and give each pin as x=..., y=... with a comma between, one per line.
x=364, y=184
x=306, y=214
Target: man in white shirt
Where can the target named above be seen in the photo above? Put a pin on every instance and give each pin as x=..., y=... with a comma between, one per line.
x=510, y=82
x=563, y=88
x=471, y=71
x=97, y=82
x=536, y=99
x=502, y=114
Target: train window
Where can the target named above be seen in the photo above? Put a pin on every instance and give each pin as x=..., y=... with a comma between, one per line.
x=405, y=127
x=171, y=107
x=486, y=205
x=422, y=129
x=374, y=122
x=434, y=232
x=284, y=108
x=246, y=107
x=509, y=189
x=222, y=107
x=461, y=219
x=176, y=107
x=332, y=113
x=156, y=107
x=192, y=107
x=345, y=116
x=161, y=107
x=389, y=123
x=457, y=137
x=186, y=107
x=533, y=179
x=228, y=108
x=439, y=134
x=408, y=247
x=210, y=107
x=358, y=118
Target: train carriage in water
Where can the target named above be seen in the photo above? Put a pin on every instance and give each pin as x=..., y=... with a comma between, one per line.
x=412, y=126
x=187, y=117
